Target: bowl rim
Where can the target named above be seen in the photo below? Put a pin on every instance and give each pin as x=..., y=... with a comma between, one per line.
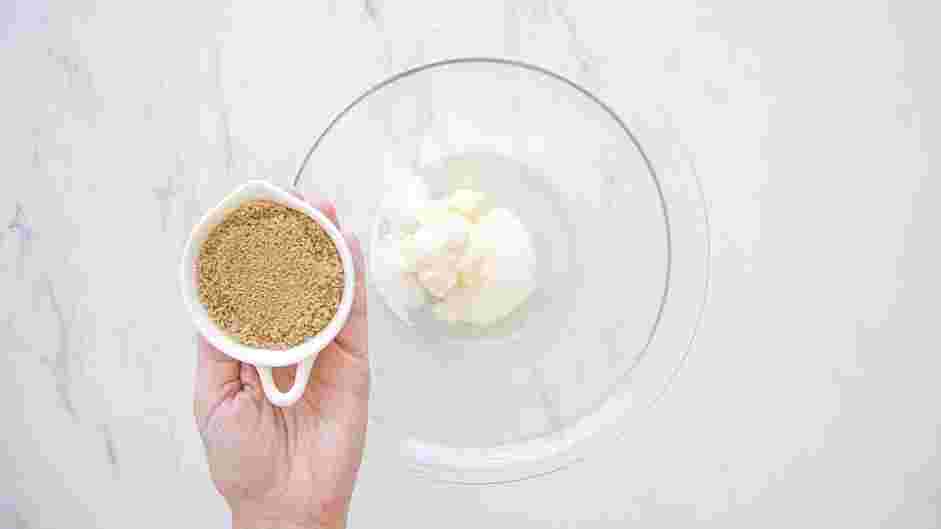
x=258, y=356
x=508, y=467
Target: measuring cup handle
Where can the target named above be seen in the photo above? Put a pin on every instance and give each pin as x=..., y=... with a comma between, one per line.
x=275, y=396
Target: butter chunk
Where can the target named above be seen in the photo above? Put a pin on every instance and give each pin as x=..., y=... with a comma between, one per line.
x=433, y=212
x=467, y=202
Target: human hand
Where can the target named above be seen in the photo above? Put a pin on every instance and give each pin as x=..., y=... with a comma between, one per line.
x=291, y=467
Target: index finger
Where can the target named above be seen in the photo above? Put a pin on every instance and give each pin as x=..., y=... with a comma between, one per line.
x=354, y=337
x=217, y=376
x=326, y=207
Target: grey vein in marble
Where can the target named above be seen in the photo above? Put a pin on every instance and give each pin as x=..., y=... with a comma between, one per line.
x=176, y=443
x=21, y=523
x=37, y=290
x=146, y=366
x=549, y=404
x=224, y=113
x=611, y=179
x=905, y=112
x=110, y=450
x=515, y=14
x=88, y=339
x=123, y=343
x=191, y=211
x=78, y=76
x=609, y=337
x=9, y=327
x=748, y=62
x=37, y=157
x=731, y=497
x=165, y=195
x=512, y=28
x=583, y=57
x=224, y=121
x=674, y=61
x=540, y=10
x=579, y=371
x=715, y=93
x=25, y=236
x=68, y=64
x=414, y=57
x=372, y=11
x=60, y=365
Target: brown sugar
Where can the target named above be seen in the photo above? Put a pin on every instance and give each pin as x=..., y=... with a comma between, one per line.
x=269, y=275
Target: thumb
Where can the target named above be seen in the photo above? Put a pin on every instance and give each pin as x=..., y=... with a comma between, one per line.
x=343, y=366
x=354, y=337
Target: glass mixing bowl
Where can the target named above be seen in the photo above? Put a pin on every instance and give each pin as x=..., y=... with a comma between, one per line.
x=621, y=238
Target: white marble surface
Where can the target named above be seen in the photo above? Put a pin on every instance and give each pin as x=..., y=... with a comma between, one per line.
x=810, y=399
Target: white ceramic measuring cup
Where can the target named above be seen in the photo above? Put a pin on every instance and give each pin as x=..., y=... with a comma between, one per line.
x=303, y=354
